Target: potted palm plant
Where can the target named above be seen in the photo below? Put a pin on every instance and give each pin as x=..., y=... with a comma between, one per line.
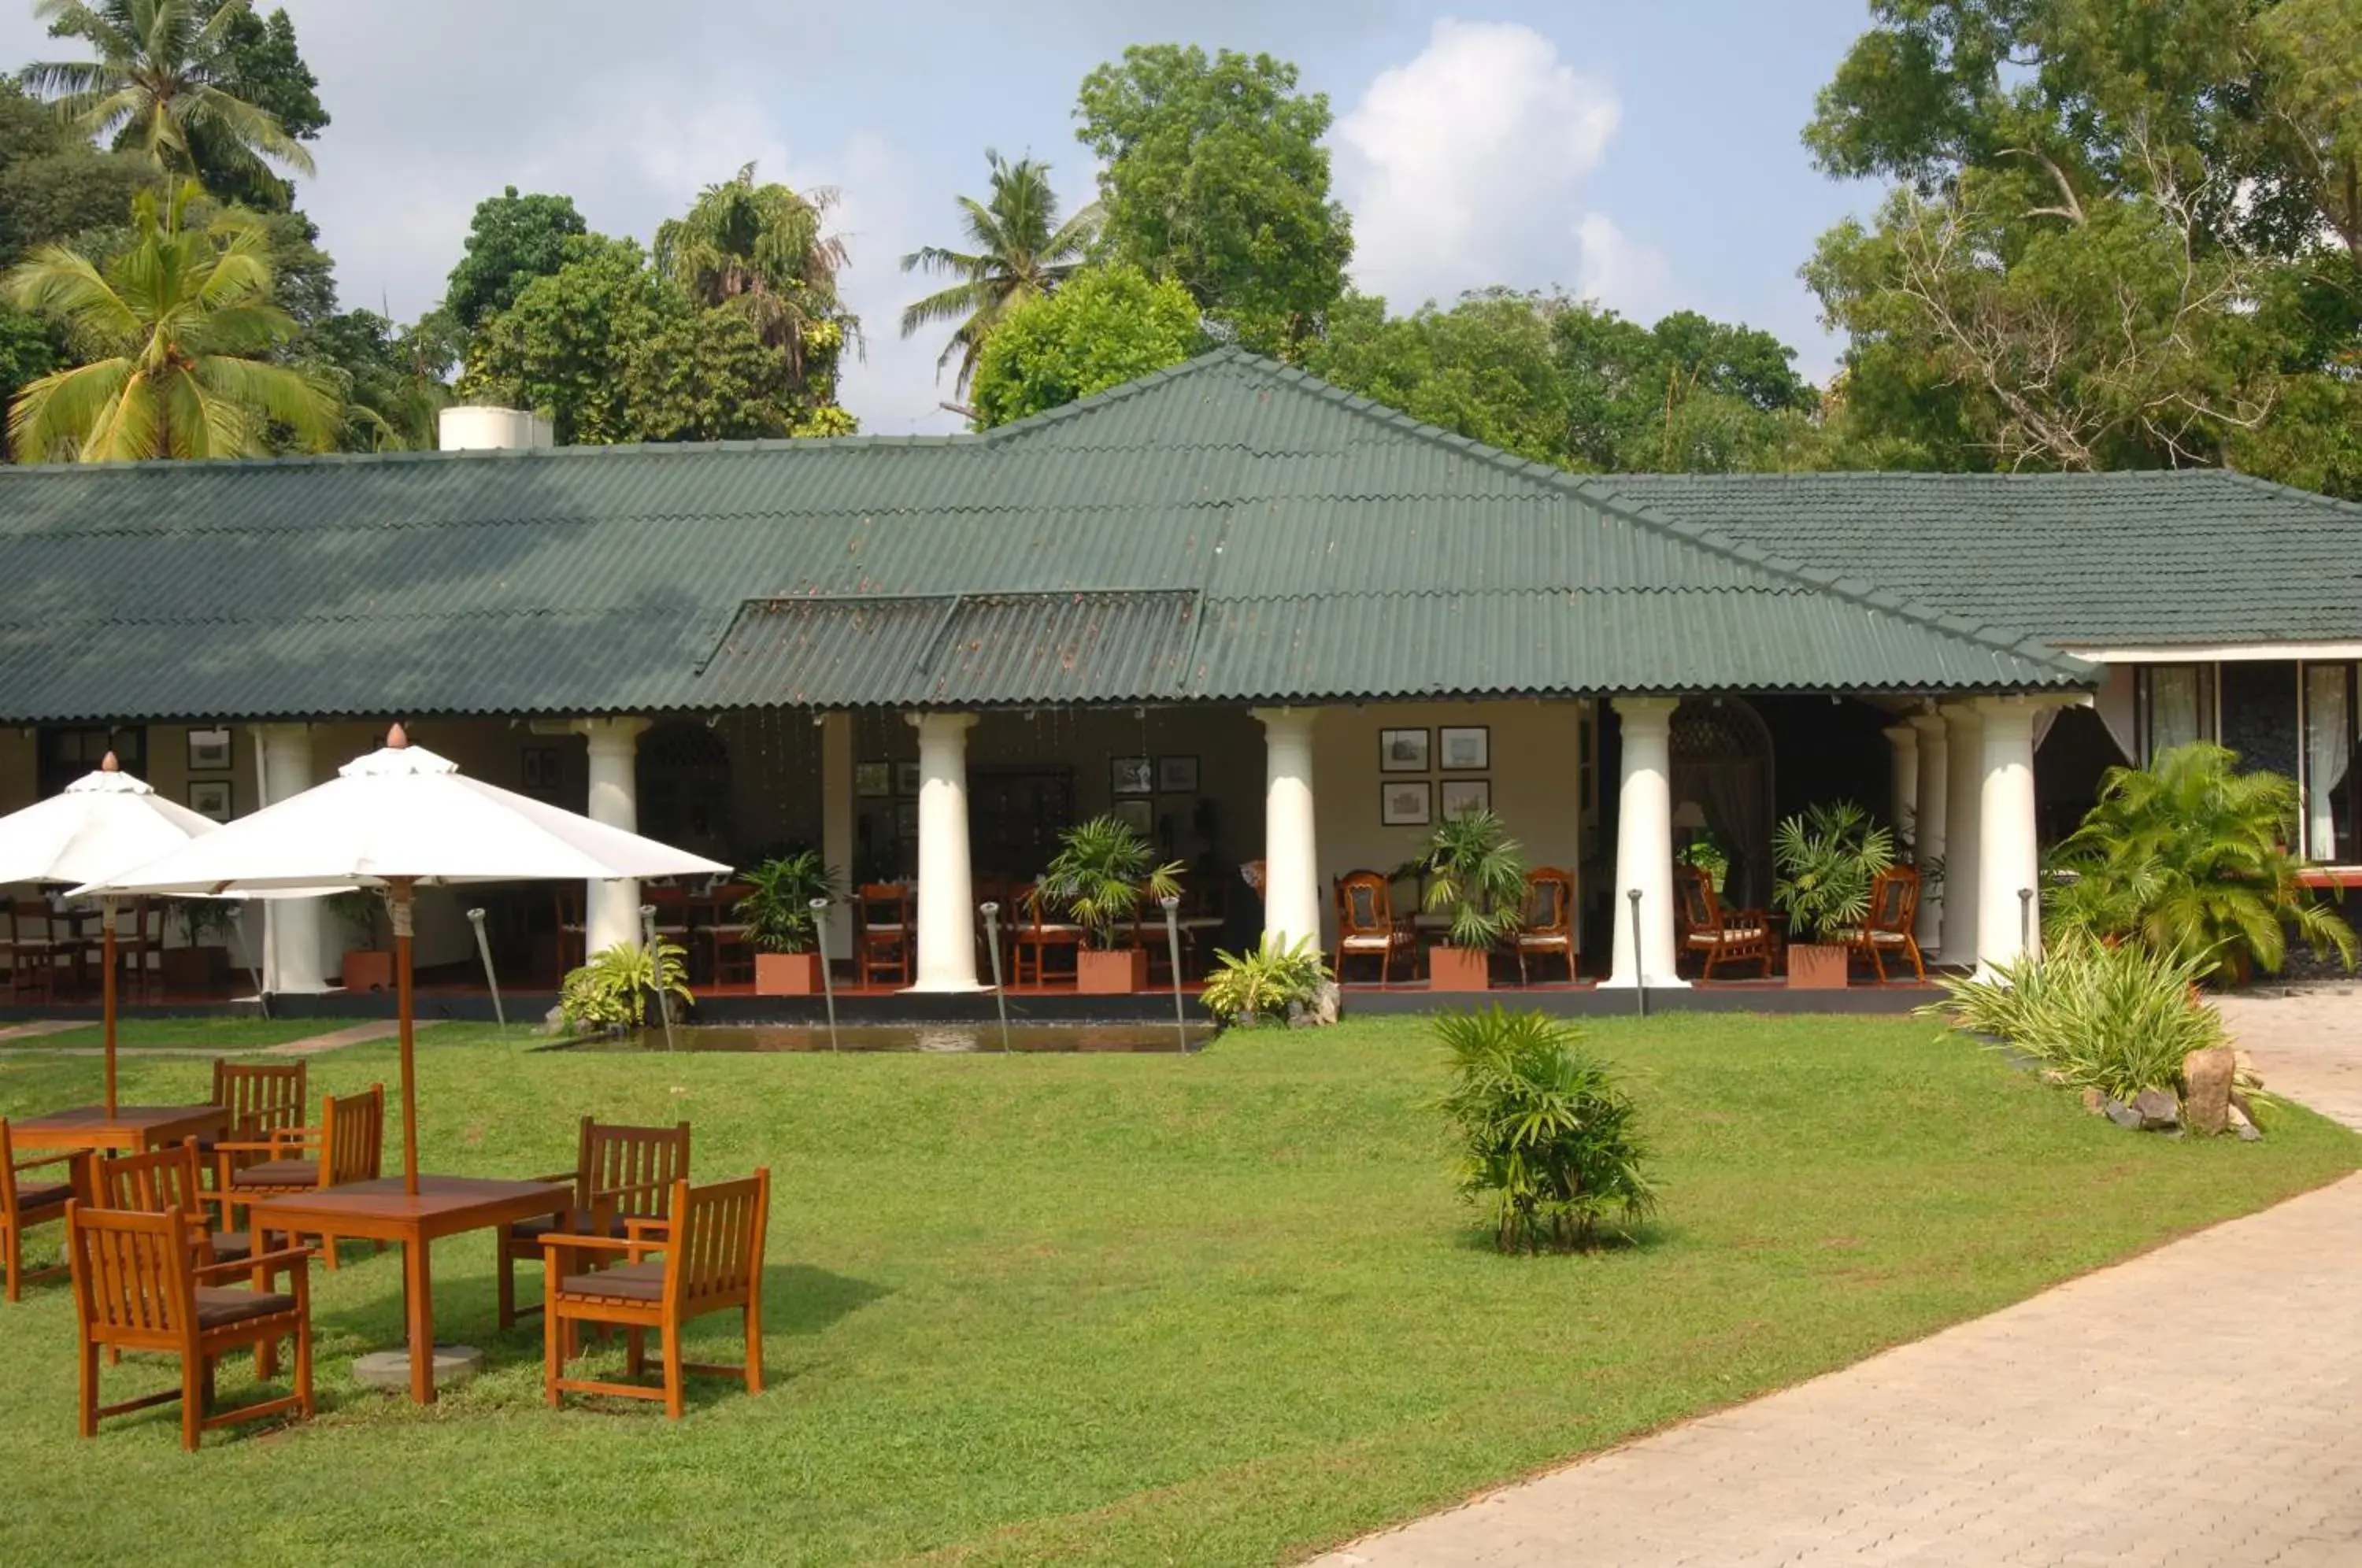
x=203, y=956
x=780, y=924
x=370, y=966
x=1825, y=861
x=1102, y=872
x=1476, y=875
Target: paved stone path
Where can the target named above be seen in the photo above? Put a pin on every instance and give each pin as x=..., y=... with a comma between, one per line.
x=352, y=1035
x=2200, y=1405
x=33, y=1028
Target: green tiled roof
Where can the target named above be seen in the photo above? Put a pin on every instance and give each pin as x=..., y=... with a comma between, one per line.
x=1227, y=530
x=2197, y=555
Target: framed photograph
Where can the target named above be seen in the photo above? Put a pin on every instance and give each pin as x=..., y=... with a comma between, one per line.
x=1137, y=815
x=1176, y=775
x=906, y=778
x=210, y=798
x=1402, y=751
x=209, y=750
x=1130, y=775
x=542, y=768
x=906, y=819
x=1461, y=796
x=1406, y=802
x=1467, y=748
x=873, y=780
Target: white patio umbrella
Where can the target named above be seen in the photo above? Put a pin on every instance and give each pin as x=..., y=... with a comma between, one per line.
x=105, y=823
x=395, y=819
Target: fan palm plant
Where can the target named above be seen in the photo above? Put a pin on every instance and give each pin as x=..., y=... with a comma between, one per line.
x=2189, y=857
x=1018, y=250
x=763, y=250
x=180, y=322
x=1102, y=870
x=1826, y=860
x=1475, y=874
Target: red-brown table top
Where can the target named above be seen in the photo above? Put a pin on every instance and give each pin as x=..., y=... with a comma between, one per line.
x=443, y=1205
x=131, y=1126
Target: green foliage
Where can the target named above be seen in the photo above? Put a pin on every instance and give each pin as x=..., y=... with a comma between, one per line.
x=611, y=990
x=364, y=911
x=1106, y=326
x=778, y=905
x=1018, y=250
x=2189, y=858
x=1100, y=875
x=384, y=377
x=1706, y=856
x=1213, y=175
x=2113, y=1017
x=1261, y=986
x=1476, y=874
x=512, y=240
x=1546, y=1135
x=53, y=183
x=266, y=70
x=1824, y=861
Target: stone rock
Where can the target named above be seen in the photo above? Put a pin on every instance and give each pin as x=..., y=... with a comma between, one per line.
x=2245, y=1065
x=2095, y=1102
x=2157, y=1108
x=1329, y=1003
x=553, y=1022
x=390, y=1370
x=2206, y=1084
x=2120, y=1113
x=2247, y=1131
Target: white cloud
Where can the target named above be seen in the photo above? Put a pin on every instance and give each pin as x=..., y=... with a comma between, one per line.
x=1618, y=271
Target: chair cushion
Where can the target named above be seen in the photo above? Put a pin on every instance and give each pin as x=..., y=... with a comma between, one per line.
x=278, y=1173
x=231, y=1246
x=1558, y=939
x=1382, y=940
x=578, y=1223
x=642, y=1281
x=44, y=1194
x=219, y=1307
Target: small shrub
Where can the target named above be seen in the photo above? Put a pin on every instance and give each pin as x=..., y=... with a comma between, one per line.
x=611, y=990
x=2114, y=1017
x=1260, y=987
x=777, y=906
x=1102, y=871
x=1825, y=861
x=1476, y=875
x=1546, y=1136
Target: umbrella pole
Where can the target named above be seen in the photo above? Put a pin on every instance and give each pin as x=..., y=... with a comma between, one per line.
x=398, y=900
x=106, y=993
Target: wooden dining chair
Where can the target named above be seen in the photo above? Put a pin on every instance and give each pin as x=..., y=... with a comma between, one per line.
x=882, y=916
x=348, y=1145
x=26, y=1204
x=620, y=1175
x=1366, y=924
x=1721, y=936
x=166, y=1181
x=1039, y=935
x=262, y=1097
x=140, y=948
x=36, y=945
x=142, y=1283
x=1886, y=928
x=566, y=900
x=711, y=1261
x=723, y=931
x=1549, y=924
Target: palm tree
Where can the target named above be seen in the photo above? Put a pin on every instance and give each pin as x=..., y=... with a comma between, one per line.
x=183, y=315
x=159, y=80
x=761, y=250
x=1020, y=250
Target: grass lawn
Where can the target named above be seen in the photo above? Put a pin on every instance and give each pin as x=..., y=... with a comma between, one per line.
x=1216, y=1310
x=222, y=1036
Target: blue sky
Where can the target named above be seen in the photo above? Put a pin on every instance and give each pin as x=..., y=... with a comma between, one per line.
x=1644, y=154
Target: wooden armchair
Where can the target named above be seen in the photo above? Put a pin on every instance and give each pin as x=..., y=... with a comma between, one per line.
x=882, y=922
x=141, y=1283
x=261, y=1100
x=1718, y=935
x=1366, y=926
x=348, y=1145
x=1037, y=934
x=1549, y=924
x=37, y=939
x=165, y=1181
x=1894, y=909
x=25, y=1204
x=713, y=1262
x=620, y=1175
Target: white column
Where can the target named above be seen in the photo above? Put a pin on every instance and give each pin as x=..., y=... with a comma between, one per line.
x=836, y=820
x=610, y=911
x=298, y=944
x=1291, y=860
x=2008, y=857
x=946, y=885
x=1963, y=809
x=1644, y=846
x=1929, y=824
x=1903, y=775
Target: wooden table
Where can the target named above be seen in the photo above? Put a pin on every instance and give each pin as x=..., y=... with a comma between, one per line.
x=381, y=1211
x=137, y=1128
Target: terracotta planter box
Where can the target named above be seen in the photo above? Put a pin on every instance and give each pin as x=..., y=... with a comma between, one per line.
x=190, y=968
x=787, y=973
x=1458, y=970
x=1812, y=967
x=368, y=971
x=1117, y=974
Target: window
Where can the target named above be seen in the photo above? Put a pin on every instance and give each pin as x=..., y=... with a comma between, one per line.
x=66, y=754
x=2174, y=704
x=2333, y=780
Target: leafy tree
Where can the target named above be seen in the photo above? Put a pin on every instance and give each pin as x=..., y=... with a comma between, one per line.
x=1109, y=324
x=761, y=251
x=1214, y=175
x=53, y=183
x=267, y=71
x=166, y=84
x=1487, y=369
x=183, y=318
x=1019, y=251
x=512, y=240
x=389, y=397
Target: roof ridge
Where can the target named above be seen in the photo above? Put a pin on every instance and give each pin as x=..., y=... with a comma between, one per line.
x=1122, y=390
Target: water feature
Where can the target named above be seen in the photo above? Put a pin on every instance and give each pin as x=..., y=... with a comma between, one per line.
x=1028, y=1038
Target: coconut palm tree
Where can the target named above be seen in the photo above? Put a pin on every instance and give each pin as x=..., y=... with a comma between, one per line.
x=158, y=81
x=1020, y=249
x=762, y=249
x=180, y=319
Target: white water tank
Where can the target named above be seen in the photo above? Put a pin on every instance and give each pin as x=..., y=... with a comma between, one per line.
x=469, y=428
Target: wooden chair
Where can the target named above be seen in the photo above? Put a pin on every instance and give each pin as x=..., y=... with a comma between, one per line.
x=729, y=956
x=1721, y=936
x=141, y=1283
x=1893, y=909
x=882, y=920
x=566, y=900
x=25, y=1204
x=1549, y=924
x=262, y=1099
x=348, y=1145
x=621, y=1173
x=166, y=1181
x=139, y=946
x=36, y=943
x=713, y=1262
x=1366, y=926
x=1037, y=934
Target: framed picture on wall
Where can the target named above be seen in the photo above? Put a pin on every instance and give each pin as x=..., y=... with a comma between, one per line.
x=1406, y=802
x=1137, y=815
x=1461, y=796
x=906, y=778
x=211, y=798
x=1176, y=775
x=1402, y=751
x=906, y=819
x=1467, y=748
x=873, y=780
x=209, y=750
x=1130, y=775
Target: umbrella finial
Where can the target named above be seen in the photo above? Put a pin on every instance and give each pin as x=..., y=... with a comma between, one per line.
x=396, y=738
x=108, y=765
